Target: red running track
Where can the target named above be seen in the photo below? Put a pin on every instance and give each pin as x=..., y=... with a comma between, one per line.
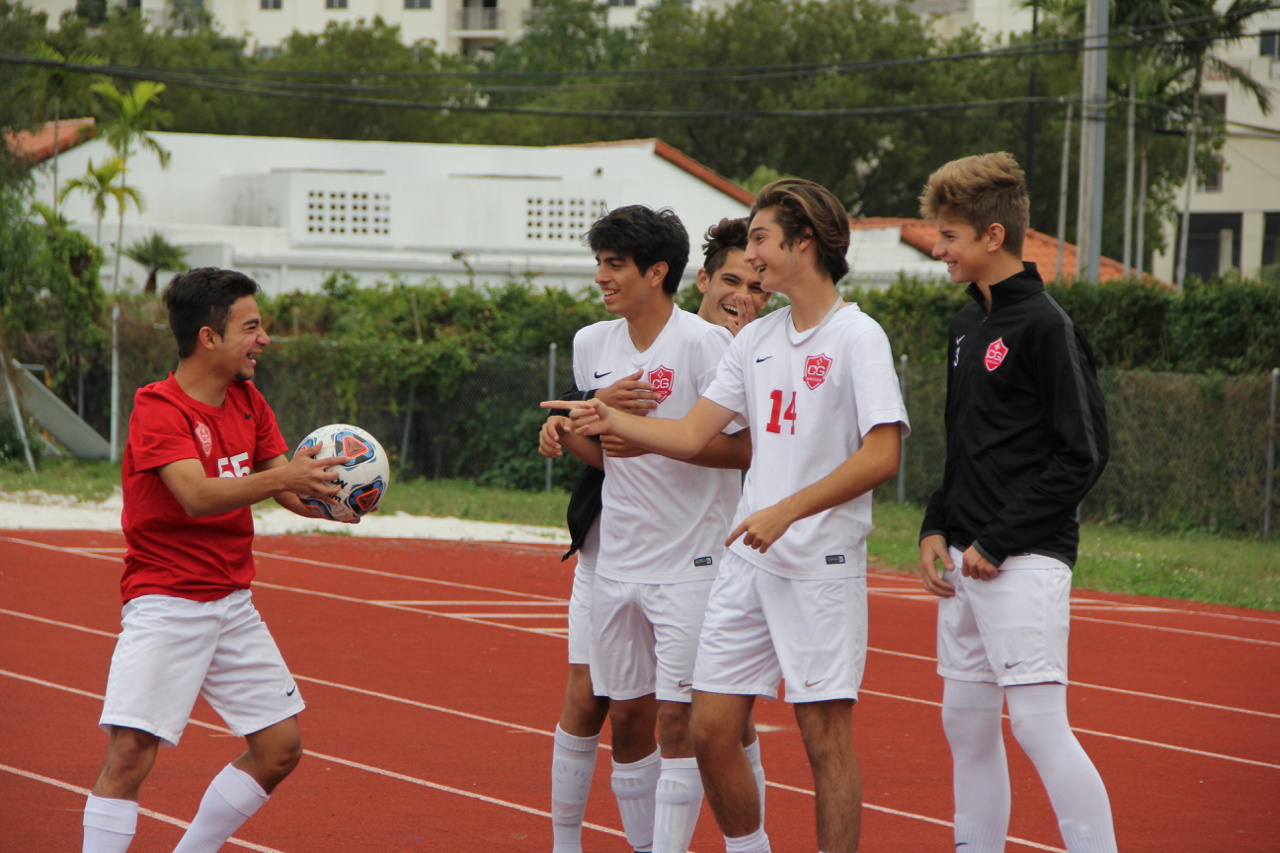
x=433, y=673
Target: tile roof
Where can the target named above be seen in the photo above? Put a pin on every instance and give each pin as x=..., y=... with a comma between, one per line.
x=36, y=147
x=1037, y=247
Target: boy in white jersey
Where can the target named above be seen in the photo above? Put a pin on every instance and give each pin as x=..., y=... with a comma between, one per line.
x=661, y=526
x=732, y=298
x=815, y=382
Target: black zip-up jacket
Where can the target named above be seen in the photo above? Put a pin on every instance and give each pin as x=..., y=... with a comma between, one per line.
x=1026, y=426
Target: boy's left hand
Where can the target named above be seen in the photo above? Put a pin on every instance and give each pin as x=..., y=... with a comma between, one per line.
x=761, y=529
x=977, y=566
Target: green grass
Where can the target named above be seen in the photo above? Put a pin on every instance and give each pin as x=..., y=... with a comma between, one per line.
x=88, y=480
x=464, y=499
x=1192, y=565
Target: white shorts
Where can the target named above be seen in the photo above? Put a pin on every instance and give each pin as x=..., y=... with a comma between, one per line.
x=761, y=627
x=1009, y=630
x=173, y=649
x=584, y=578
x=645, y=637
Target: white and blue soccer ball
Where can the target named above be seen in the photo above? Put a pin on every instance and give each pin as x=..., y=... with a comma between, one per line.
x=363, y=480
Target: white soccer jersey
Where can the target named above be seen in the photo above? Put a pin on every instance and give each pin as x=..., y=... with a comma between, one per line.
x=809, y=398
x=663, y=521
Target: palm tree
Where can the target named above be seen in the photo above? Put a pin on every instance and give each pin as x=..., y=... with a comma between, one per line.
x=136, y=113
x=99, y=183
x=156, y=253
x=1192, y=49
x=54, y=86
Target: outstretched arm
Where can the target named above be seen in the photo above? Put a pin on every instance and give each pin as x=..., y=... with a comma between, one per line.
x=873, y=463
x=678, y=439
x=200, y=495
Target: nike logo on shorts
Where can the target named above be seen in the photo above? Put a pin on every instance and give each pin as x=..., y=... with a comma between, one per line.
x=814, y=683
x=291, y=690
x=684, y=684
x=1012, y=665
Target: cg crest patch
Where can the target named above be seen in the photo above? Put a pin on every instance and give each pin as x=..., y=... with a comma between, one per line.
x=815, y=370
x=662, y=380
x=205, y=437
x=995, y=354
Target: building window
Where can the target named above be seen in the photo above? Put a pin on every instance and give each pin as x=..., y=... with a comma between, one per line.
x=358, y=214
x=335, y=4
x=1213, y=243
x=1270, y=44
x=561, y=219
x=1210, y=180
x=271, y=4
x=417, y=4
x=1270, y=239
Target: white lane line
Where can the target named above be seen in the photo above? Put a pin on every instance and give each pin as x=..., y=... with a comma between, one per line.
x=1166, y=628
x=417, y=603
x=474, y=616
x=77, y=551
x=35, y=618
x=368, y=768
x=934, y=820
x=412, y=578
x=469, y=794
x=347, y=598
x=163, y=818
x=562, y=631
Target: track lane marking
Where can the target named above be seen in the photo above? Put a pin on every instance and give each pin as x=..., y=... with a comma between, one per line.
x=892, y=696
x=368, y=768
x=449, y=790
x=561, y=631
x=154, y=815
x=1176, y=630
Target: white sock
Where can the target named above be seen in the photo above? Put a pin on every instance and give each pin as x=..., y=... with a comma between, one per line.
x=756, y=842
x=980, y=771
x=634, y=785
x=573, y=763
x=678, y=801
x=1039, y=716
x=757, y=770
x=109, y=825
x=231, y=799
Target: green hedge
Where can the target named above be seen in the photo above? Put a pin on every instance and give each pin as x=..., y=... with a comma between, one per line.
x=1225, y=326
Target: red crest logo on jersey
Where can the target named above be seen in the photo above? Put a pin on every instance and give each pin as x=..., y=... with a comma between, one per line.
x=815, y=370
x=662, y=380
x=206, y=438
x=995, y=354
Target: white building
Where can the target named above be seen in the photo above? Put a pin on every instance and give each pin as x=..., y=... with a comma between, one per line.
x=1235, y=209
x=290, y=211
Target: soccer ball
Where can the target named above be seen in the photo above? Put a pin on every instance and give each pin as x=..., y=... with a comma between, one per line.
x=363, y=480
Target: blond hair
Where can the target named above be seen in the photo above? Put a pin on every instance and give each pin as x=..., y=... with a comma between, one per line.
x=981, y=190
x=805, y=209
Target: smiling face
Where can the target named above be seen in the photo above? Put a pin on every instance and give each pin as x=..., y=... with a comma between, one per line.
x=968, y=254
x=245, y=338
x=623, y=287
x=735, y=276
x=774, y=263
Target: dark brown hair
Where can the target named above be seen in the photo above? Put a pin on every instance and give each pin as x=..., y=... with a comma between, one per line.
x=722, y=238
x=203, y=297
x=805, y=209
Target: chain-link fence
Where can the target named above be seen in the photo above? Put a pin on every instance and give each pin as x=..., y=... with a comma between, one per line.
x=1186, y=451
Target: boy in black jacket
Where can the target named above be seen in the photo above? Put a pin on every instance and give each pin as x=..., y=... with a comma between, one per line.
x=1026, y=439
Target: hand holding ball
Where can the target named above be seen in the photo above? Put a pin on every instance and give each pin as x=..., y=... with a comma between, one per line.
x=363, y=480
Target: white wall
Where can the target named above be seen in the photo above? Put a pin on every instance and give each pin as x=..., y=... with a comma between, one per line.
x=298, y=208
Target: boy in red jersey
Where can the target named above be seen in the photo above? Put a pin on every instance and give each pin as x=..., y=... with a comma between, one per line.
x=203, y=447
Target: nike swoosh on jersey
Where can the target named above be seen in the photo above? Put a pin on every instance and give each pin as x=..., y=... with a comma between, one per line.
x=606, y=373
x=765, y=358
